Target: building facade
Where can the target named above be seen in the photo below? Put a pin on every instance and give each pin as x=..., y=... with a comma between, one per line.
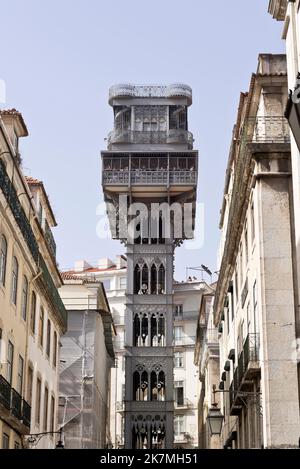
x=289, y=13
x=32, y=316
x=207, y=359
x=255, y=303
x=86, y=360
x=113, y=277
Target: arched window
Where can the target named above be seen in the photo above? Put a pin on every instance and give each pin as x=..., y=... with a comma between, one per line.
x=161, y=280
x=153, y=279
x=41, y=327
x=145, y=279
x=3, y=259
x=33, y=312
x=55, y=349
x=14, y=280
x=24, y=298
x=48, y=338
x=157, y=386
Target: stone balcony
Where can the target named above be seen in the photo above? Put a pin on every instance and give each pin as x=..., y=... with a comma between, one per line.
x=135, y=137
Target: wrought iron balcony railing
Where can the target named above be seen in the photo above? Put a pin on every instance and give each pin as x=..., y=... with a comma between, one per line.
x=52, y=292
x=270, y=129
x=124, y=177
x=16, y=404
x=18, y=212
x=26, y=413
x=184, y=404
x=140, y=137
x=5, y=392
x=251, y=349
x=184, y=341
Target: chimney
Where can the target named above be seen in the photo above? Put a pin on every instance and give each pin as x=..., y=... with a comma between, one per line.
x=105, y=263
x=121, y=262
x=80, y=266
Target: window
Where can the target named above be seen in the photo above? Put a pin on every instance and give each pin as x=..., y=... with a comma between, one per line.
x=252, y=223
x=107, y=284
x=17, y=445
x=24, y=298
x=38, y=401
x=10, y=362
x=29, y=385
x=55, y=349
x=33, y=312
x=5, y=441
x=41, y=327
x=246, y=245
x=248, y=317
x=46, y=397
x=256, y=328
x=179, y=392
x=178, y=335
x=178, y=359
x=178, y=313
x=14, y=280
x=48, y=344
x=178, y=425
x=123, y=283
x=52, y=418
x=3, y=259
x=20, y=375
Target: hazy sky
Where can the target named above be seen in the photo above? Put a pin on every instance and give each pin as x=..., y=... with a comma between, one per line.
x=58, y=59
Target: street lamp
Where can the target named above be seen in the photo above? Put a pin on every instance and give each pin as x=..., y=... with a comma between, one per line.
x=215, y=417
x=34, y=438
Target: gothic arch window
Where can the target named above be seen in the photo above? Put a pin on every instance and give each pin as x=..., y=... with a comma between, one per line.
x=149, y=330
x=148, y=432
x=161, y=280
x=140, y=386
x=157, y=386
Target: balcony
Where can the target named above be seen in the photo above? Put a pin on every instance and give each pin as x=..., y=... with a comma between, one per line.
x=135, y=137
x=185, y=404
x=248, y=367
x=184, y=341
x=16, y=404
x=269, y=129
x=183, y=438
x=155, y=177
x=13, y=409
x=26, y=414
x=5, y=393
x=128, y=90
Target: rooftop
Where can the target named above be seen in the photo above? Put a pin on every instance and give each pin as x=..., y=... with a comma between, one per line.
x=128, y=90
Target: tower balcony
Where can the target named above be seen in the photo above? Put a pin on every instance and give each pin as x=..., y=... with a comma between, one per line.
x=128, y=90
x=156, y=137
x=155, y=171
